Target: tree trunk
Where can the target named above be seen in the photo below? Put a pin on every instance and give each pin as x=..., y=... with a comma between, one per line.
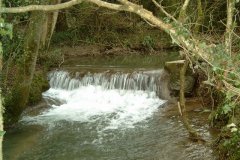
x=192, y=133
x=49, y=26
x=28, y=61
x=1, y=100
x=230, y=25
x=62, y=25
x=38, y=36
x=182, y=14
x=200, y=17
x=182, y=65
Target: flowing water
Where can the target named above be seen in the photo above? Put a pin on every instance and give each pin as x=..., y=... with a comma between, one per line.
x=103, y=112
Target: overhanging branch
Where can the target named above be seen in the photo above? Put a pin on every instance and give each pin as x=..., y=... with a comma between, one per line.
x=40, y=7
x=60, y=6
x=124, y=5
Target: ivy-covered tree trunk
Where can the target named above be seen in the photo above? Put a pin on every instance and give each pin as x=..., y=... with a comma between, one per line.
x=1, y=105
x=27, y=65
x=37, y=38
x=1, y=99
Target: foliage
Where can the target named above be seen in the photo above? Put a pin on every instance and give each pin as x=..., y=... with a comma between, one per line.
x=5, y=28
x=228, y=143
x=181, y=30
x=232, y=146
x=16, y=3
x=5, y=31
x=148, y=42
x=13, y=47
x=50, y=59
x=224, y=77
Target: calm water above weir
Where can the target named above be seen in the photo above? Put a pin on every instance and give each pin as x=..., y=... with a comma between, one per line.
x=104, y=109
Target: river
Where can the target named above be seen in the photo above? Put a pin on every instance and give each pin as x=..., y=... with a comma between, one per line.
x=105, y=108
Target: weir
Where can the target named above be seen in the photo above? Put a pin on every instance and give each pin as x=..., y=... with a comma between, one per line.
x=151, y=80
x=111, y=99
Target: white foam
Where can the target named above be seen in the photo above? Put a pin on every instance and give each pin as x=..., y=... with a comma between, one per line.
x=119, y=108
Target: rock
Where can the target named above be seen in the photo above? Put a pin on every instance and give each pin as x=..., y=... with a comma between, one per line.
x=174, y=83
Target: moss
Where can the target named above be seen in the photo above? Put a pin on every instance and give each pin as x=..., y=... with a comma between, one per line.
x=39, y=84
x=13, y=105
x=13, y=109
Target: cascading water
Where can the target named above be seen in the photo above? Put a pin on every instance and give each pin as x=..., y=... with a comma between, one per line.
x=139, y=80
x=114, y=100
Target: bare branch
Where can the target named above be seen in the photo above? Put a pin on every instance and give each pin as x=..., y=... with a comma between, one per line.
x=164, y=11
x=60, y=6
x=113, y=6
x=40, y=7
x=182, y=14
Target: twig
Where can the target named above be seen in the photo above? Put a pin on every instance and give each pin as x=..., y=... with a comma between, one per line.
x=62, y=61
x=179, y=108
x=164, y=11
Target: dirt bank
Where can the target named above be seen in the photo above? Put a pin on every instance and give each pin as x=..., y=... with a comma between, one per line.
x=94, y=50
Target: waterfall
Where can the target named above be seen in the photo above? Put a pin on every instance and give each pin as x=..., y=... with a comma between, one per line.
x=112, y=99
x=154, y=81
